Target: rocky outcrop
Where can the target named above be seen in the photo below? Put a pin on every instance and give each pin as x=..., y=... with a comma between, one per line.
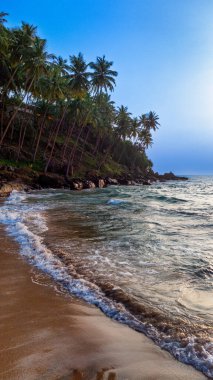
x=171, y=177
x=12, y=178
x=7, y=188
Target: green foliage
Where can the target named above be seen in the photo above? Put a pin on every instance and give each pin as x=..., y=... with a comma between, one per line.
x=59, y=114
x=36, y=166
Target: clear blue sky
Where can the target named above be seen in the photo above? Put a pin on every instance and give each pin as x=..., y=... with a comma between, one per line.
x=163, y=51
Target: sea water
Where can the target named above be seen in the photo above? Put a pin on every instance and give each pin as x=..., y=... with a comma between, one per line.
x=142, y=254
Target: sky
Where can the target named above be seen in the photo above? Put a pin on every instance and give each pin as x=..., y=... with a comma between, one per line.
x=163, y=52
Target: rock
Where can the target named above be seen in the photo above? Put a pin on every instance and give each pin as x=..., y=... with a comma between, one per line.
x=171, y=177
x=51, y=181
x=98, y=181
x=76, y=185
x=101, y=183
x=7, y=188
x=89, y=185
x=124, y=181
x=8, y=175
x=111, y=181
x=147, y=182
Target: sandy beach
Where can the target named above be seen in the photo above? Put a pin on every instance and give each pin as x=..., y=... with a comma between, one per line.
x=46, y=334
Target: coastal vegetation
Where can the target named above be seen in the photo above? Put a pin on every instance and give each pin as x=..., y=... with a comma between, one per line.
x=57, y=115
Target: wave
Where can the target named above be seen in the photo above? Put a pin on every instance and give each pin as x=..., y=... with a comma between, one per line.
x=164, y=198
x=188, y=343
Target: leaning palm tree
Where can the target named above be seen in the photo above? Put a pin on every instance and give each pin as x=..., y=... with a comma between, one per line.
x=105, y=117
x=102, y=77
x=35, y=64
x=84, y=108
x=135, y=124
x=15, y=46
x=61, y=96
x=149, y=121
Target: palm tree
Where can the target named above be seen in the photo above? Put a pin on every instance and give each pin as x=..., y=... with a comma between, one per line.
x=78, y=78
x=145, y=139
x=149, y=121
x=35, y=64
x=123, y=122
x=102, y=77
x=2, y=17
x=135, y=124
x=153, y=121
x=105, y=117
x=61, y=64
x=50, y=90
x=60, y=93
x=83, y=114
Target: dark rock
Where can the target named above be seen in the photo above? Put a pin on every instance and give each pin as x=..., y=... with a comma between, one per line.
x=147, y=182
x=88, y=185
x=51, y=181
x=8, y=176
x=98, y=181
x=171, y=177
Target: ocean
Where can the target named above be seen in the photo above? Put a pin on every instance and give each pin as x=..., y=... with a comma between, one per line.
x=142, y=254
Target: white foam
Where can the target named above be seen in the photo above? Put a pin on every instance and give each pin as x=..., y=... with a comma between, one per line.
x=115, y=202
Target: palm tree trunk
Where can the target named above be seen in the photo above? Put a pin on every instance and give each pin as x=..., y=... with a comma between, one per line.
x=39, y=135
x=106, y=155
x=97, y=144
x=69, y=134
x=16, y=111
x=73, y=151
x=23, y=137
x=83, y=149
x=55, y=137
x=51, y=134
x=4, y=91
x=20, y=138
x=12, y=132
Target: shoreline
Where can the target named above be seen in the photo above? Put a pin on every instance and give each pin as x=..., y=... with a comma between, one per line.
x=12, y=178
x=47, y=334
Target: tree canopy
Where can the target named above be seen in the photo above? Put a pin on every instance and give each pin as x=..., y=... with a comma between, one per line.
x=58, y=110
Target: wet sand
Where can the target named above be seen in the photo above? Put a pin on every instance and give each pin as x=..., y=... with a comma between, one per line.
x=46, y=334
